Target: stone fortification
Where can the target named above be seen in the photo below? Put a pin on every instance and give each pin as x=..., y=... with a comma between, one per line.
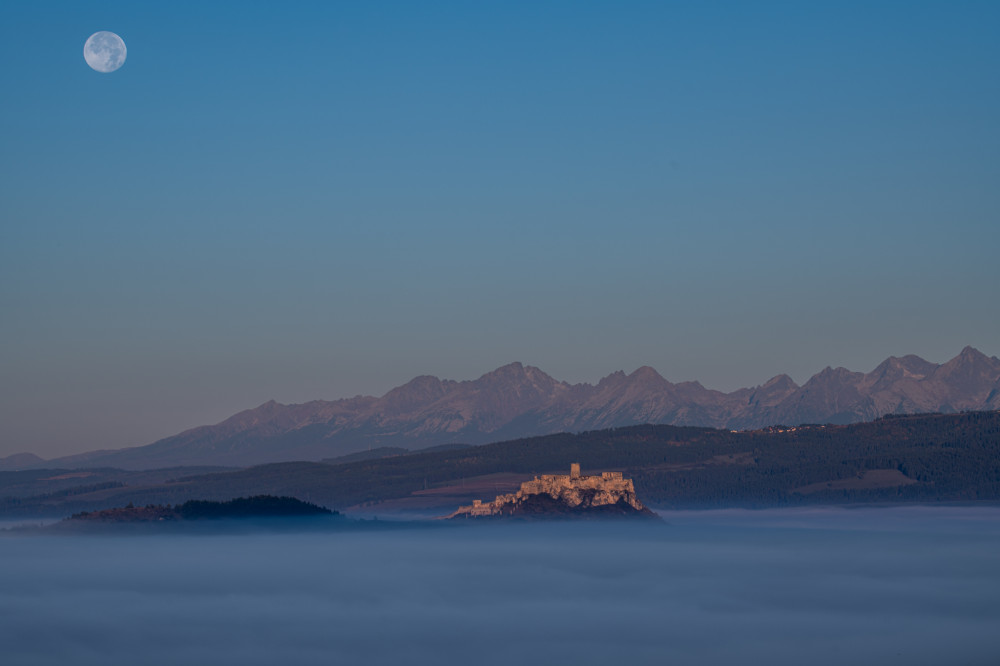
x=556, y=494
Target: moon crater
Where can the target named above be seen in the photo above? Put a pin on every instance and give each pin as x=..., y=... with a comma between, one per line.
x=104, y=51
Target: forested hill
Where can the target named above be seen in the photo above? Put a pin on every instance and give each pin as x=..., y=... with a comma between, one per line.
x=922, y=458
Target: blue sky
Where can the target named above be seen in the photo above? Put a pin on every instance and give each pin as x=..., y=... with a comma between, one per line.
x=325, y=199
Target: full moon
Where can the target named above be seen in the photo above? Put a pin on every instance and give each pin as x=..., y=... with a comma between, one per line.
x=104, y=51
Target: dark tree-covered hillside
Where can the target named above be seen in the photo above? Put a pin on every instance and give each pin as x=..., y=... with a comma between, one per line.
x=922, y=458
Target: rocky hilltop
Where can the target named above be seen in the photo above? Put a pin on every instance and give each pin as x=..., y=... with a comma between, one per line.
x=563, y=496
x=517, y=401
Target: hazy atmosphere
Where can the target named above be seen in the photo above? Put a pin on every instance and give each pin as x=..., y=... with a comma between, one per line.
x=825, y=587
x=388, y=332
x=326, y=199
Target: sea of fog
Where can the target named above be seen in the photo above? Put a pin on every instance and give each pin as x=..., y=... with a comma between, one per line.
x=819, y=586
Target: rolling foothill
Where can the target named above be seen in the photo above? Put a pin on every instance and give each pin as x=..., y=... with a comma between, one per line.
x=898, y=459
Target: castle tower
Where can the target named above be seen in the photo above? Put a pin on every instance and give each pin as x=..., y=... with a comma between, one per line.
x=574, y=470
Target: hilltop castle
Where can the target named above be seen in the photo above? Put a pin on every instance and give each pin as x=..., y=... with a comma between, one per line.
x=563, y=495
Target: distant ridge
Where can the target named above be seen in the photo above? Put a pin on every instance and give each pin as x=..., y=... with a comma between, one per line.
x=520, y=401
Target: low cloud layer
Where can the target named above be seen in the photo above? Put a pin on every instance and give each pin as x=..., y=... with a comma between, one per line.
x=914, y=586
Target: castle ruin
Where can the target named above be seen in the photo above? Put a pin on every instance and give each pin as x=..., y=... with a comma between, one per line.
x=572, y=492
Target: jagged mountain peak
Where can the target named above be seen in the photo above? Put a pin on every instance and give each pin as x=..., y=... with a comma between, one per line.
x=423, y=381
x=895, y=369
x=262, y=410
x=254, y=414
x=518, y=400
x=273, y=416
x=420, y=383
x=517, y=377
x=976, y=356
x=779, y=382
x=648, y=377
x=913, y=363
x=692, y=385
x=516, y=370
x=838, y=374
x=418, y=391
x=972, y=357
x=770, y=393
x=615, y=377
x=972, y=371
x=641, y=396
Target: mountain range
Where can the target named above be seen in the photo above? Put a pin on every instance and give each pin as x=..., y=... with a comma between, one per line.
x=520, y=401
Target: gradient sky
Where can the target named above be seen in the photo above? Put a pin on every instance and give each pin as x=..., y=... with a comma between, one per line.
x=315, y=200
